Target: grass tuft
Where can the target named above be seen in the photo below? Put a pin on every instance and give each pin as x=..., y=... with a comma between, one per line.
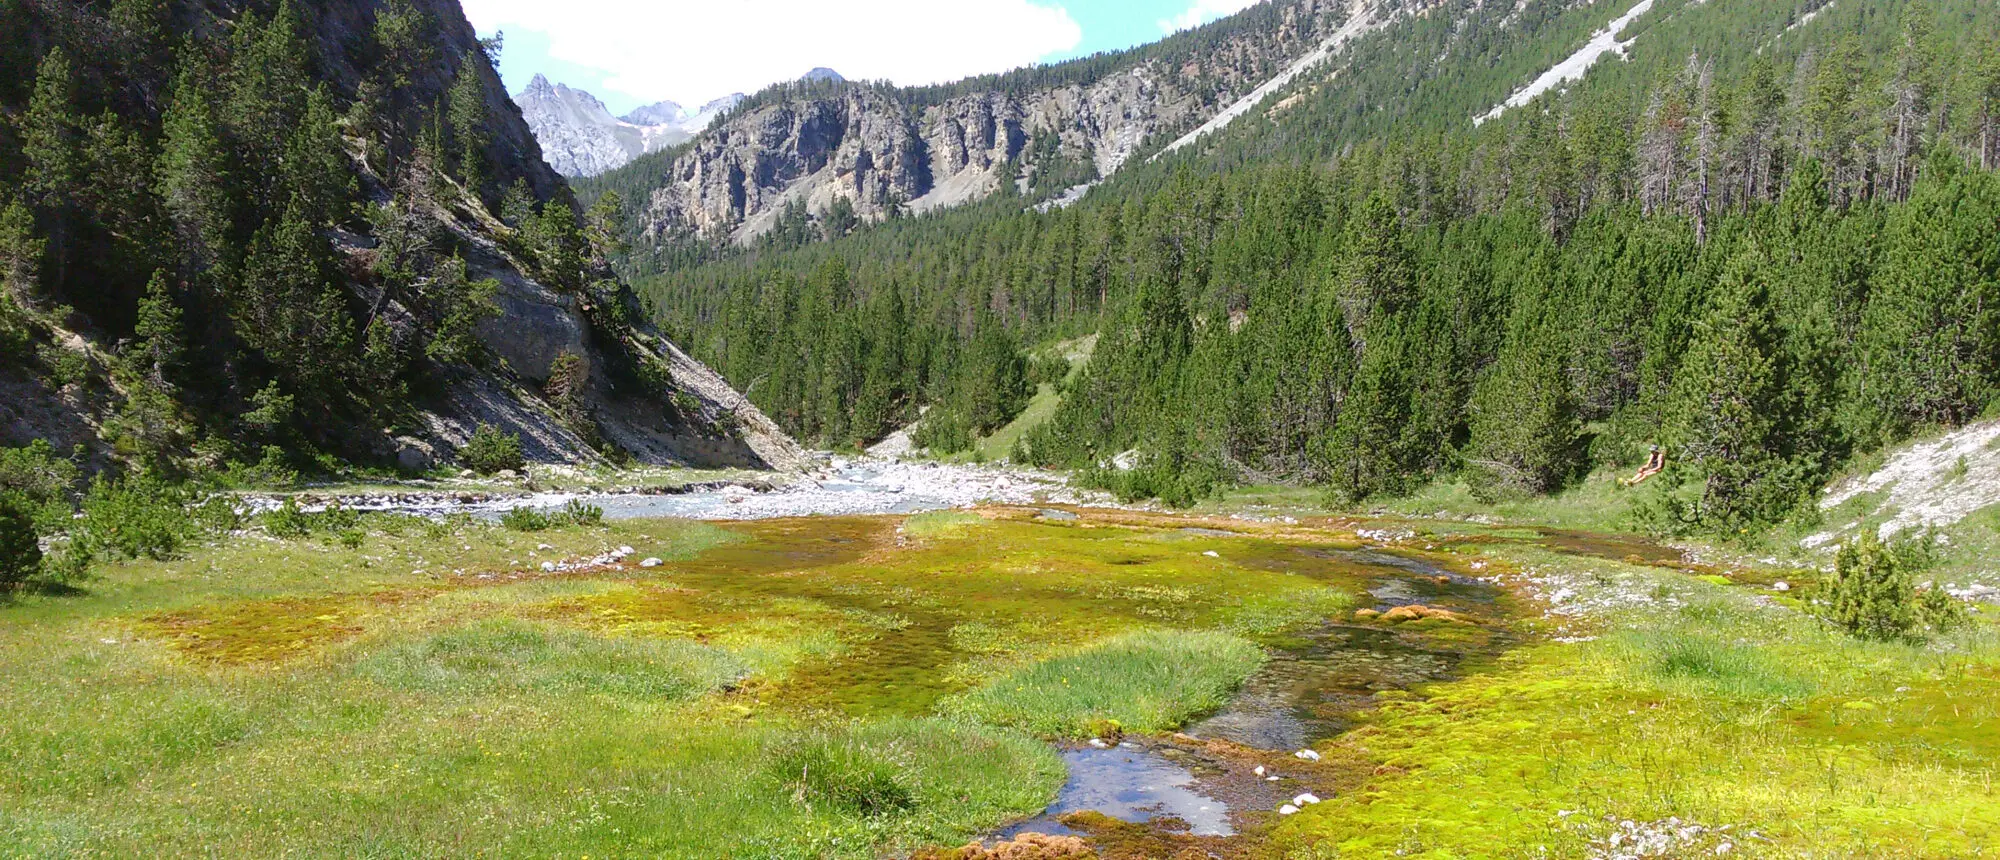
x=1147, y=681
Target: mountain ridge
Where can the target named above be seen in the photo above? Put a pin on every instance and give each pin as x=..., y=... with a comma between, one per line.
x=579, y=136
x=813, y=146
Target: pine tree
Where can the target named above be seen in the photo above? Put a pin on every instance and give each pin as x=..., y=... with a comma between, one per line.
x=290, y=308
x=50, y=145
x=1524, y=424
x=466, y=114
x=517, y=205
x=601, y=224
x=1366, y=453
x=159, y=339
x=193, y=177
x=316, y=166
x=1377, y=275
x=20, y=253
x=1930, y=339
x=1727, y=396
x=1911, y=92
x=266, y=85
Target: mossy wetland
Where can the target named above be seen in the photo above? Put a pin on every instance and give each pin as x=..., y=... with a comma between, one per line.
x=896, y=686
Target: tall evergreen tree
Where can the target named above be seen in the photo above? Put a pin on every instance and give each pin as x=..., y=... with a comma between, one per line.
x=51, y=148
x=194, y=181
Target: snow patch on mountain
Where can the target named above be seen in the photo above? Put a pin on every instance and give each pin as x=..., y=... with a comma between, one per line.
x=1573, y=67
x=1361, y=19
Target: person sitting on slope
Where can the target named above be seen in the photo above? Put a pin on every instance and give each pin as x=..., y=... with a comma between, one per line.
x=1656, y=461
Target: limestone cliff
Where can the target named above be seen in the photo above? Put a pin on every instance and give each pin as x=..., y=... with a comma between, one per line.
x=925, y=148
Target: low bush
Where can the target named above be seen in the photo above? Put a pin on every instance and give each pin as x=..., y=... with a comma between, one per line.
x=526, y=520
x=491, y=450
x=1873, y=593
x=134, y=518
x=576, y=513
x=20, y=545
x=581, y=513
x=40, y=481
x=292, y=522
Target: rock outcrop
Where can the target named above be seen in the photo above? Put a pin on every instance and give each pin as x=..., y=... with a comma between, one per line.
x=882, y=148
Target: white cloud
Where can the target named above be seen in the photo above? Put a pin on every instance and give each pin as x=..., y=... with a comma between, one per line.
x=1200, y=12
x=694, y=50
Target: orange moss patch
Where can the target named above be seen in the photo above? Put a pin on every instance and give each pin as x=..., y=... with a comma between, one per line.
x=270, y=630
x=1027, y=846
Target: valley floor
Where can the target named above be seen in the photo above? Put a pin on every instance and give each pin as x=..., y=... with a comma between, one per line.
x=891, y=685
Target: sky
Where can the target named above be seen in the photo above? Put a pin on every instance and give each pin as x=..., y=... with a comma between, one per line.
x=630, y=53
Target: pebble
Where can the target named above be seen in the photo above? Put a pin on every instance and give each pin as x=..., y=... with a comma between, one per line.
x=1306, y=799
x=1306, y=755
x=548, y=567
x=1781, y=585
x=543, y=546
x=1259, y=771
x=1288, y=809
x=1212, y=554
x=1099, y=743
x=651, y=562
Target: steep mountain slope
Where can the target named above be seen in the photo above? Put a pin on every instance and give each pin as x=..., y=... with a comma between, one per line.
x=250, y=243
x=580, y=137
x=823, y=143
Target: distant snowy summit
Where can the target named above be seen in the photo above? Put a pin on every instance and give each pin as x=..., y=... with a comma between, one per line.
x=822, y=73
x=580, y=137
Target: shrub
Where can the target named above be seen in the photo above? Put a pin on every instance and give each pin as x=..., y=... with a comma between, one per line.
x=288, y=521
x=272, y=471
x=1872, y=593
x=579, y=512
x=20, y=545
x=526, y=520
x=40, y=482
x=491, y=450
x=134, y=518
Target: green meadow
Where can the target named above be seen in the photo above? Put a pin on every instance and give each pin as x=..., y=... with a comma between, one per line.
x=869, y=687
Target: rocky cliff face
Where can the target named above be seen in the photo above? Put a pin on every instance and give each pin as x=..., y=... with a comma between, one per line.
x=881, y=148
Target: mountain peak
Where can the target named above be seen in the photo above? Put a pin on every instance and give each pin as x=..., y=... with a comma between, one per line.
x=657, y=113
x=540, y=84
x=822, y=73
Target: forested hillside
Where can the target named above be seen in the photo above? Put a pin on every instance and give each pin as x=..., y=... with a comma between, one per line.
x=269, y=233
x=1767, y=239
